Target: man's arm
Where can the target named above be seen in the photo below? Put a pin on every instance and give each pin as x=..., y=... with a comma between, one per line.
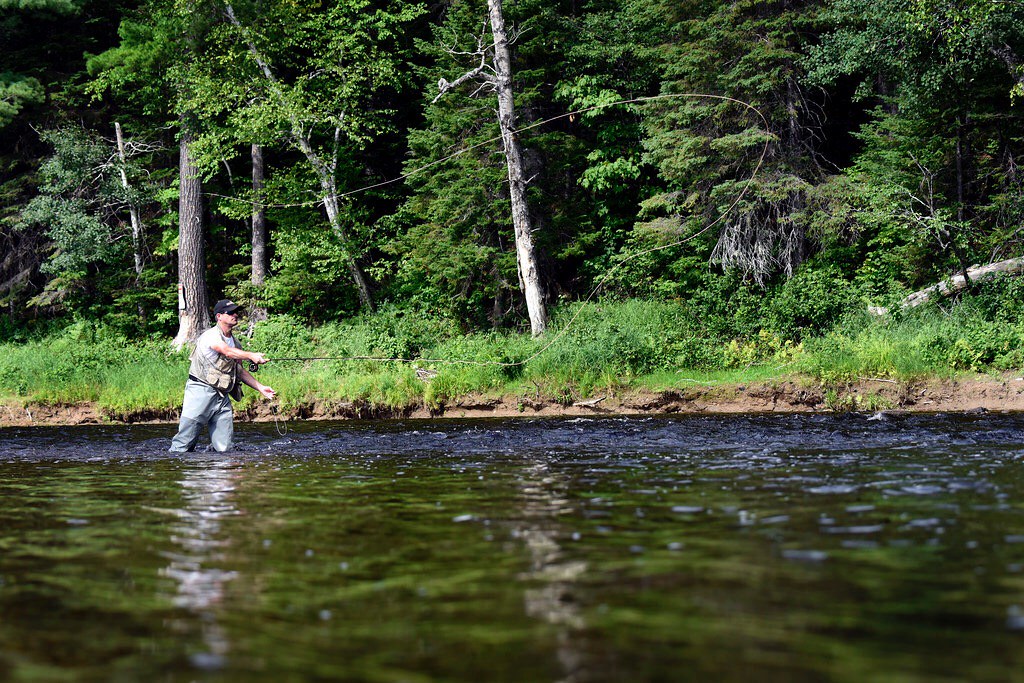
x=238, y=354
x=251, y=381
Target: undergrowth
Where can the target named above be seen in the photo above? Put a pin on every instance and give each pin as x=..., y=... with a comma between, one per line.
x=600, y=348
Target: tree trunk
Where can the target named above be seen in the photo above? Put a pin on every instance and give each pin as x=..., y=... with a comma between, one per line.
x=133, y=212
x=956, y=283
x=334, y=217
x=193, y=301
x=259, y=221
x=526, y=257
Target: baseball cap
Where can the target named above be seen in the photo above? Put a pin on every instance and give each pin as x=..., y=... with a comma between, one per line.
x=225, y=306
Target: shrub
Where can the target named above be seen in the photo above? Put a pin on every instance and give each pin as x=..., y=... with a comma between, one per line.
x=809, y=303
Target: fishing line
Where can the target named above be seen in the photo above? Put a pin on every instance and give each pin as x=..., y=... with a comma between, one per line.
x=465, y=150
x=597, y=288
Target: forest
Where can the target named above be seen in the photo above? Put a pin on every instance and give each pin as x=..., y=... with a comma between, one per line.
x=725, y=183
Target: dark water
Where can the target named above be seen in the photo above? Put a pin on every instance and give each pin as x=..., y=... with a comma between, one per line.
x=698, y=549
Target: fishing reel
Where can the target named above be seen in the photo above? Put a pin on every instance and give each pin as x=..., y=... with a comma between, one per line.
x=253, y=367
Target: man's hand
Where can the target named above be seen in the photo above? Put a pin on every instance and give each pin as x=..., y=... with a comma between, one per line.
x=267, y=391
x=257, y=358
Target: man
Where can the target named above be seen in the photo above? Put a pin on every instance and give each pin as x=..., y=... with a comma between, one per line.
x=215, y=376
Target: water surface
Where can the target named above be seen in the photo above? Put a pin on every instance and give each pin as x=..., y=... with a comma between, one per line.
x=775, y=548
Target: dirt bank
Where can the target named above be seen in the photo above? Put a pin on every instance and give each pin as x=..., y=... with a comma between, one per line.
x=790, y=395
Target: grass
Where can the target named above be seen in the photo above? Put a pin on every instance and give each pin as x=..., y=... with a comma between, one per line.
x=610, y=347
x=676, y=379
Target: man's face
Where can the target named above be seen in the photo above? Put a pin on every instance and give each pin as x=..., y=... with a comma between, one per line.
x=229, y=319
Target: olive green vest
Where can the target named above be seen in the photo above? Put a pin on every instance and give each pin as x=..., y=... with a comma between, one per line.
x=221, y=373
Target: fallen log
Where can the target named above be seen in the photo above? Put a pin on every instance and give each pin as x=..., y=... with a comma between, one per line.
x=589, y=403
x=955, y=283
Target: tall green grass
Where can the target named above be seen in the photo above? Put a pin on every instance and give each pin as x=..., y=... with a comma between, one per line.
x=976, y=334
x=84, y=363
x=596, y=348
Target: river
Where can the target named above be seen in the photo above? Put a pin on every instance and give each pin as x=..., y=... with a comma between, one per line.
x=726, y=548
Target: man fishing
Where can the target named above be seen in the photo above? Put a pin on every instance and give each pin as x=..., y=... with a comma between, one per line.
x=215, y=376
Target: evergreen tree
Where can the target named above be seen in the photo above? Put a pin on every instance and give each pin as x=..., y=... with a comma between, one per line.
x=614, y=52
x=26, y=62
x=41, y=72
x=86, y=200
x=456, y=255
x=707, y=149
x=938, y=166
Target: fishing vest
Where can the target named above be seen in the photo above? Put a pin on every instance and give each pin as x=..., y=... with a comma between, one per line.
x=220, y=373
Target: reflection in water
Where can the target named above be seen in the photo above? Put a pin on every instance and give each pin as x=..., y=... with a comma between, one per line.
x=554, y=600
x=207, y=490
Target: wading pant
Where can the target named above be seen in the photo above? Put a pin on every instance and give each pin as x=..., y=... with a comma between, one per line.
x=204, y=406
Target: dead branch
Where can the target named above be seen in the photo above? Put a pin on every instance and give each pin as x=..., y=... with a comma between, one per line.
x=956, y=283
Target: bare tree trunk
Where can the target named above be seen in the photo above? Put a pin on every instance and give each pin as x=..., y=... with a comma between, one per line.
x=133, y=212
x=956, y=283
x=193, y=300
x=526, y=257
x=259, y=221
x=260, y=262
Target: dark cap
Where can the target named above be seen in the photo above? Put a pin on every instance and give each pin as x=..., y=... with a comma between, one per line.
x=225, y=306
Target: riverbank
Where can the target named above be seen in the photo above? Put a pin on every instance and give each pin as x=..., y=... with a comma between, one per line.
x=793, y=394
x=633, y=357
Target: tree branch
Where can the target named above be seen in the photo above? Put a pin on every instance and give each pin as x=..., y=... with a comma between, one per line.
x=483, y=71
x=479, y=73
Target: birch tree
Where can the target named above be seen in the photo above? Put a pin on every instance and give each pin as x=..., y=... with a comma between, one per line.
x=133, y=206
x=320, y=81
x=494, y=72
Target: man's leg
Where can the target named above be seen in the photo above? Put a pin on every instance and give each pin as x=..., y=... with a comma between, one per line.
x=188, y=433
x=195, y=412
x=222, y=425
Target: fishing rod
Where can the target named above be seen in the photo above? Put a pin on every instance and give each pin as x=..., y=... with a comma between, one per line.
x=254, y=367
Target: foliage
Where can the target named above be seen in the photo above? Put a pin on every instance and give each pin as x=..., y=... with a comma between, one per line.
x=86, y=362
x=16, y=92
x=318, y=77
x=83, y=209
x=25, y=49
x=456, y=255
x=983, y=331
x=743, y=127
x=892, y=135
x=941, y=146
x=814, y=299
